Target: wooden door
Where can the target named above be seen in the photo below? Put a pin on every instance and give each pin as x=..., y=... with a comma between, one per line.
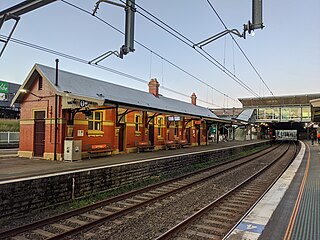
x=39, y=133
x=188, y=135
x=151, y=134
x=121, y=137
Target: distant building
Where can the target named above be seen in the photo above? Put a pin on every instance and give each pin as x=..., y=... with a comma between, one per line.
x=315, y=110
x=282, y=112
x=7, y=93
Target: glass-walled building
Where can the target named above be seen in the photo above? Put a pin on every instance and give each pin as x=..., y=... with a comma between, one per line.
x=282, y=112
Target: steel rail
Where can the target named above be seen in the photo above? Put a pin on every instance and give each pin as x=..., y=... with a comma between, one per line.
x=264, y=193
x=79, y=211
x=139, y=205
x=171, y=232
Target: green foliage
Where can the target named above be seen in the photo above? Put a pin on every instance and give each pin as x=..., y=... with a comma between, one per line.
x=9, y=125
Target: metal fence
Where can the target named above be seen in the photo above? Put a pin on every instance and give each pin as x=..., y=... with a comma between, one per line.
x=9, y=137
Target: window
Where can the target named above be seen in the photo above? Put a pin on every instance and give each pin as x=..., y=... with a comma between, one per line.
x=285, y=113
x=40, y=83
x=95, y=121
x=269, y=113
x=261, y=113
x=276, y=113
x=295, y=113
x=137, y=121
x=160, y=126
x=306, y=112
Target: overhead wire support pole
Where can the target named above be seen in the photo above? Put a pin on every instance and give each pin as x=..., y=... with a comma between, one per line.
x=129, y=28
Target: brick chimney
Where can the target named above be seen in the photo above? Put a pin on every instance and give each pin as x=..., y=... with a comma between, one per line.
x=194, y=99
x=154, y=87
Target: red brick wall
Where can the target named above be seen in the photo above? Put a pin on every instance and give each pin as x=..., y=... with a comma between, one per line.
x=33, y=103
x=108, y=135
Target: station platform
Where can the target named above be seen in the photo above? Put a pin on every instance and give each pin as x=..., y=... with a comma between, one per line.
x=13, y=167
x=291, y=208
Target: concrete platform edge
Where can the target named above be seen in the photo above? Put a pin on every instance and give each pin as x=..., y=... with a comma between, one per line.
x=253, y=224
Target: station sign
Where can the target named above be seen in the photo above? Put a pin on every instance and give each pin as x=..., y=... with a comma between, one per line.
x=3, y=87
x=3, y=91
x=174, y=118
x=83, y=103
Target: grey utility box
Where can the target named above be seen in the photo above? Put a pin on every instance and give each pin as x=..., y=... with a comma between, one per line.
x=72, y=150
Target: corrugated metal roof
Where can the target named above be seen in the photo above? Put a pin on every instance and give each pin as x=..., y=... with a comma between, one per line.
x=88, y=87
x=245, y=115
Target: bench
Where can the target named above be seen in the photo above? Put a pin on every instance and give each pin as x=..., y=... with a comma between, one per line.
x=170, y=144
x=98, y=148
x=184, y=143
x=144, y=146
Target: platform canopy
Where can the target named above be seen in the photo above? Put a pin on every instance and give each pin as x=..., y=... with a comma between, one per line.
x=247, y=116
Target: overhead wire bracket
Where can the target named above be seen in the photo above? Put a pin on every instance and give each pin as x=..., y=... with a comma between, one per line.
x=3, y=19
x=219, y=35
x=250, y=27
x=95, y=10
x=104, y=56
x=15, y=12
x=129, y=28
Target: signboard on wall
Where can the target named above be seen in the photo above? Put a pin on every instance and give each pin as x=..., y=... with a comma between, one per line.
x=3, y=87
x=3, y=97
x=174, y=118
x=3, y=91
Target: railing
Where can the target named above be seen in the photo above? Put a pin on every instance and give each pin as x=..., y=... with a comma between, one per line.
x=9, y=137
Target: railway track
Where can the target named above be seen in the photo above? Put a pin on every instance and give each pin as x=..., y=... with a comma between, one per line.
x=217, y=219
x=80, y=220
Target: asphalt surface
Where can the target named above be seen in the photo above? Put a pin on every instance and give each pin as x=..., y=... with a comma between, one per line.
x=13, y=167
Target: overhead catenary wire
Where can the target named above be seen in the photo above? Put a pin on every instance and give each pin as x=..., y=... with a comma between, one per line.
x=241, y=50
x=83, y=61
x=153, y=52
x=191, y=43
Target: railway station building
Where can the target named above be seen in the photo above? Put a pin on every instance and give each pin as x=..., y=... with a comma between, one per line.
x=101, y=115
x=292, y=112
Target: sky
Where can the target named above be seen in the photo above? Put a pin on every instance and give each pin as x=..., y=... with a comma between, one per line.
x=285, y=53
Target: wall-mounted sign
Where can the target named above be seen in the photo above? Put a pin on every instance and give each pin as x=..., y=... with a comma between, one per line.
x=3, y=87
x=197, y=122
x=80, y=133
x=3, y=97
x=174, y=118
x=83, y=103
